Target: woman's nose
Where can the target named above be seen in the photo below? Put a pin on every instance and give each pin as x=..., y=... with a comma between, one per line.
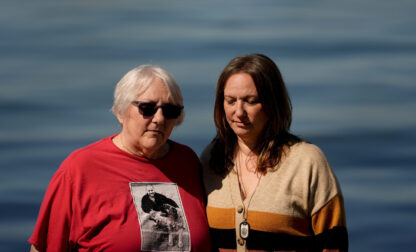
x=239, y=110
x=158, y=116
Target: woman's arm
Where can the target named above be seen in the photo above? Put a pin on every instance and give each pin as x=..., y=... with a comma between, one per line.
x=33, y=249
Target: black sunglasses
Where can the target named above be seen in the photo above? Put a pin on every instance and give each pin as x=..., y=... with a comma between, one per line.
x=169, y=111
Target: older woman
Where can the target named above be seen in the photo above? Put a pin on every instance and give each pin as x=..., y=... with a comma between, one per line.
x=267, y=189
x=99, y=198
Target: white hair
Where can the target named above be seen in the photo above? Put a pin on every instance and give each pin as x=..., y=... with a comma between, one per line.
x=137, y=80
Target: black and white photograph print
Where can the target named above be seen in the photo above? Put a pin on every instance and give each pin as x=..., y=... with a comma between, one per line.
x=163, y=223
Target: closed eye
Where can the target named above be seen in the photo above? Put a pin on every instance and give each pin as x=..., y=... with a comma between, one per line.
x=229, y=100
x=252, y=101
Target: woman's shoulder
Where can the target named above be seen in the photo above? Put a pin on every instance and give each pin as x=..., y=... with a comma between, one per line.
x=308, y=158
x=84, y=155
x=180, y=148
x=305, y=156
x=90, y=149
x=305, y=150
x=206, y=154
x=212, y=181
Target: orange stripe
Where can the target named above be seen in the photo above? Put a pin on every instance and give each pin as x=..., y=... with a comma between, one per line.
x=331, y=215
x=278, y=223
x=222, y=218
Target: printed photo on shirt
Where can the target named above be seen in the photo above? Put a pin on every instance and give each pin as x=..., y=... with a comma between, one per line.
x=161, y=216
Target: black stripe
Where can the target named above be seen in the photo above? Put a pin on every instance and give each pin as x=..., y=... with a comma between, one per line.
x=336, y=238
x=259, y=240
x=223, y=238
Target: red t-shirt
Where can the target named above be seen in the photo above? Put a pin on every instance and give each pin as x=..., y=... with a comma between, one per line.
x=96, y=202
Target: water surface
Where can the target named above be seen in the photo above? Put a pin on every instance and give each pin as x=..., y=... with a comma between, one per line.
x=349, y=67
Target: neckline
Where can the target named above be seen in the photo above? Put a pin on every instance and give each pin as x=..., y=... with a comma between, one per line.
x=243, y=190
x=236, y=191
x=142, y=158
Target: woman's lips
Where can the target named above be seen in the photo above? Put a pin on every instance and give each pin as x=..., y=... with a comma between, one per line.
x=240, y=123
x=154, y=131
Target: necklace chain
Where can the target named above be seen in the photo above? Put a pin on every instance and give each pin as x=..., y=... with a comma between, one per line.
x=241, y=183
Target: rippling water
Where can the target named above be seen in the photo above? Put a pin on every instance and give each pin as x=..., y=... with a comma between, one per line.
x=349, y=66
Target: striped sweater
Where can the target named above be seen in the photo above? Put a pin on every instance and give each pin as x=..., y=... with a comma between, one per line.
x=298, y=206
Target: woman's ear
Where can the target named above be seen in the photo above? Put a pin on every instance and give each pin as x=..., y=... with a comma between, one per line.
x=120, y=119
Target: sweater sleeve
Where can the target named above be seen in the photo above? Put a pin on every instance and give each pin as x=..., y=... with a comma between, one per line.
x=52, y=229
x=327, y=204
x=330, y=227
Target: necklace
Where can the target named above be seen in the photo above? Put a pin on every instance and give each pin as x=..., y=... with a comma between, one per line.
x=244, y=227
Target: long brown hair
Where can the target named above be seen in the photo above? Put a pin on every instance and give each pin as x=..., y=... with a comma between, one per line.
x=276, y=104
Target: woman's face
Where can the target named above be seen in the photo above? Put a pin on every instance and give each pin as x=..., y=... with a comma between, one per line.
x=243, y=109
x=147, y=134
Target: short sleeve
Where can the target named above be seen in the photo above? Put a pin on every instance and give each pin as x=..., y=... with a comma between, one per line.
x=52, y=229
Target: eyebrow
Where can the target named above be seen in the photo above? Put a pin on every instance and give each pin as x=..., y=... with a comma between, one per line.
x=245, y=97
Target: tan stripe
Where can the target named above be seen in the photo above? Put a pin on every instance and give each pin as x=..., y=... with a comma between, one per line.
x=222, y=218
x=331, y=215
x=278, y=223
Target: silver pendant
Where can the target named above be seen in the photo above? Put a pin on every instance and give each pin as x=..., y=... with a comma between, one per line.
x=244, y=229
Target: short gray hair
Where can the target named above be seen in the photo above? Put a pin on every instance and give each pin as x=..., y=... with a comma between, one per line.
x=137, y=80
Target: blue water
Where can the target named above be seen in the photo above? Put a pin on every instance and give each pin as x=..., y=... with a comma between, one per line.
x=350, y=67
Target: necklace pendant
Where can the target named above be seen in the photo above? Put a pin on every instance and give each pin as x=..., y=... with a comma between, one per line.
x=244, y=230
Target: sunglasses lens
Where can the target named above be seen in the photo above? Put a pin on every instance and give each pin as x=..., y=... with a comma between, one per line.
x=148, y=109
x=171, y=111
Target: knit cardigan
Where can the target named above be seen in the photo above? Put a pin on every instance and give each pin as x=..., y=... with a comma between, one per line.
x=297, y=206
